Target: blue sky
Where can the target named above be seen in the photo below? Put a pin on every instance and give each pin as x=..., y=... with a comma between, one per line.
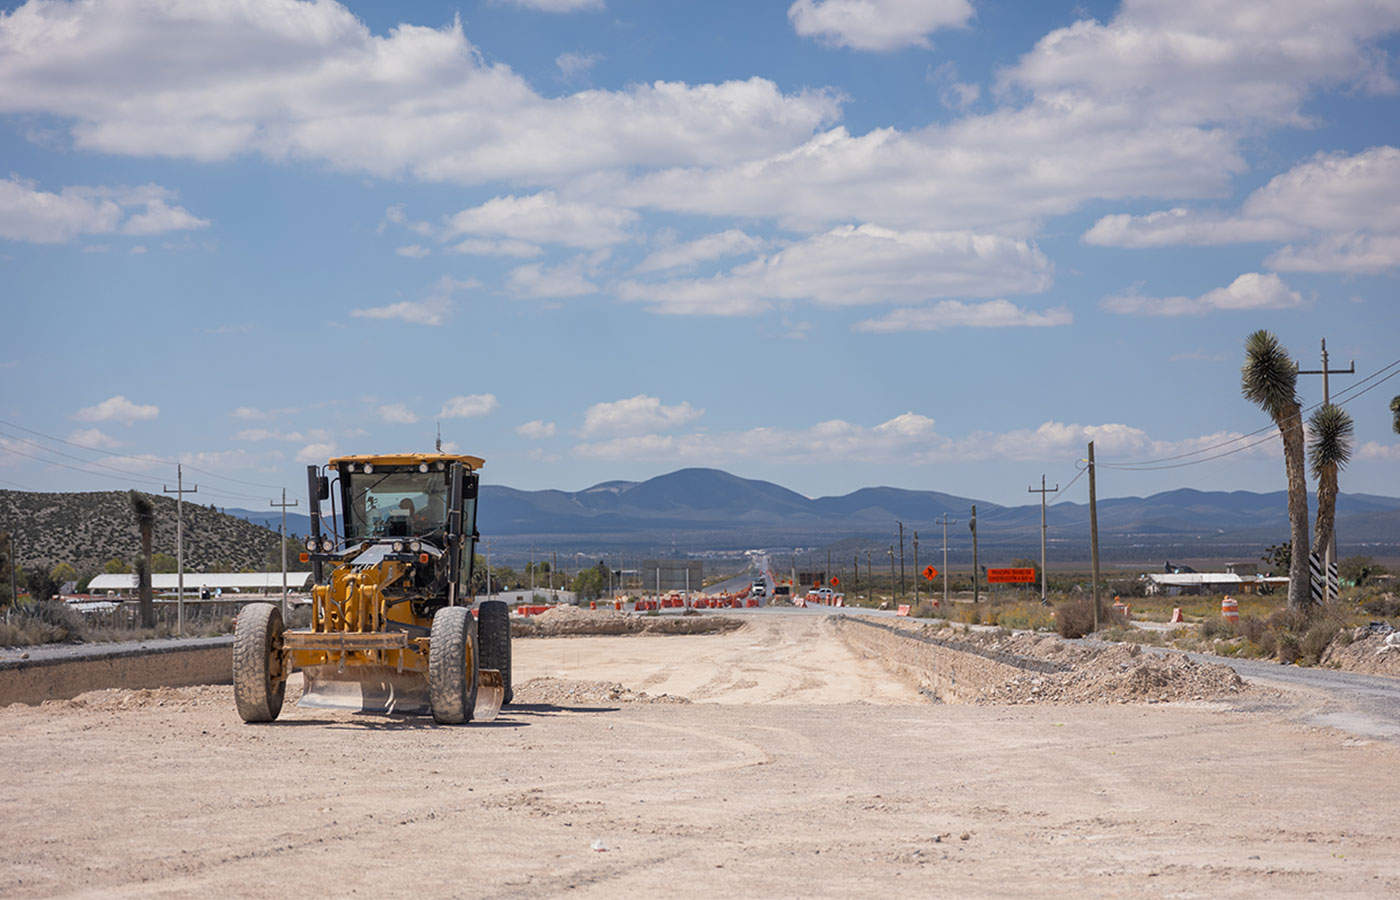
x=936, y=244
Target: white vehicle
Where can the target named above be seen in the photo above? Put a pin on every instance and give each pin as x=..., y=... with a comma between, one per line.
x=759, y=589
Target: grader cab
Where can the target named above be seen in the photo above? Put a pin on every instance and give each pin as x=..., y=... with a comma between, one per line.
x=392, y=626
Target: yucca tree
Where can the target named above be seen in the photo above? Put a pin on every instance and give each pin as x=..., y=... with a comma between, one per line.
x=1395, y=411
x=1269, y=379
x=1329, y=450
x=145, y=514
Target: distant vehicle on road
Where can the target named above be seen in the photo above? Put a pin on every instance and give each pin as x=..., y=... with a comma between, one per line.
x=759, y=589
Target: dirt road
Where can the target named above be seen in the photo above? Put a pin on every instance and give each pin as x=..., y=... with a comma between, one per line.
x=798, y=769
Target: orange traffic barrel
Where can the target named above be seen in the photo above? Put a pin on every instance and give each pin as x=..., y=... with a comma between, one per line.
x=592, y=604
x=1230, y=609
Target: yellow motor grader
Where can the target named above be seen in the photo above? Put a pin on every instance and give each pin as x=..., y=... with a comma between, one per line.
x=392, y=626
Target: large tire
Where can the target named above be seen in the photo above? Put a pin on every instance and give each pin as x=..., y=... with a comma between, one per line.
x=493, y=627
x=452, y=665
x=259, y=682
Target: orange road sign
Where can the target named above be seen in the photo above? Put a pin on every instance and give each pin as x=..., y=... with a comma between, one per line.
x=835, y=581
x=1011, y=576
x=930, y=572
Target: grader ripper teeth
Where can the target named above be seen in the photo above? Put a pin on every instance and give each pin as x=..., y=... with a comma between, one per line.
x=391, y=628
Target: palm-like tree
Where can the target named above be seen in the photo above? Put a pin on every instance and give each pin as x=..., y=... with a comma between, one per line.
x=145, y=514
x=1269, y=379
x=1329, y=450
x=1395, y=411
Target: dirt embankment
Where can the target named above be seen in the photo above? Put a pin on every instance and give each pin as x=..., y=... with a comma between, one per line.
x=569, y=621
x=1366, y=652
x=988, y=667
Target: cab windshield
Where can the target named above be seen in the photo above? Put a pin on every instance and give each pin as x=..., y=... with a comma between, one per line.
x=395, y=503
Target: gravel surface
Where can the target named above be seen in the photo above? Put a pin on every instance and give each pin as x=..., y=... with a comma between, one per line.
x=800, y=768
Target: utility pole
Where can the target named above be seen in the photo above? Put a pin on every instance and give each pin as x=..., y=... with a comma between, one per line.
x=945, y=522
x=916, y=568
x=180, y=492
x=1330, y=551
x=488, y=564
x=554, y=564
x=284, y=504
x=901, y=558
x=869, y=578
x=976, y=589
x=1094, y=533
x=14, y=575
x=1042, y=491
x=892, y=582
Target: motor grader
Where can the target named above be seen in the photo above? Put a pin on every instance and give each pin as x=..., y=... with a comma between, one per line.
x=392, y=627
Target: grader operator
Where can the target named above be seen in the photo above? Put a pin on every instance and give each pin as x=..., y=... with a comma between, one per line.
x=392, y=626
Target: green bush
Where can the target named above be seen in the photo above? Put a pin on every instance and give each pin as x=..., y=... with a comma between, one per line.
x=1075, y=618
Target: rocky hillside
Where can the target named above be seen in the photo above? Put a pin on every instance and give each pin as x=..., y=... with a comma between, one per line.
x=88, y=529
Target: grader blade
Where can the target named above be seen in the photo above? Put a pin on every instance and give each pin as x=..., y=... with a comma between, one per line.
x=377, y=689
x=490, y=694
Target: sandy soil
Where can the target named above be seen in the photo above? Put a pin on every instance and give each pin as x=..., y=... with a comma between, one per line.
x=798, y=769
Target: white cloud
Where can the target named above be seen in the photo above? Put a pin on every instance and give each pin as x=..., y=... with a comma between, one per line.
x=397, y=414
x=876, y=24
x=1196, y=61
x=851, y=266
x=249, y=413
x=1376, y=451
x=557, y=6
x=957, y=314
x=907, y=439
x=478, y=247
x=1249, y=291
x=1184, y=226
x=268, y=434
x=43, y=217
x=952, y=93
x=94, y=439
x=572, y=65
x=434, y=309
x=117, y=409
x=195, y=80
x=160, y=218
x=712, y=246
x=568, y=279
x=413, y=251
x=636, y=415
x=396, y=215
x=536, y=430
x=1345, y=208
x=469, y=406
x=316, y=453
x=545, y=219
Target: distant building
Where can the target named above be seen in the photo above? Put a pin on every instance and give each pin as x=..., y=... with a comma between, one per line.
x=1196, y=583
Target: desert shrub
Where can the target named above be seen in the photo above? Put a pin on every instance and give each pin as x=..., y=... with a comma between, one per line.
x=1286, y=646
x=1216, y=627
x=1075, y=618
x=1026, y=617
x=1252, y=628
x=1384, y=606
x=968, y=614
x=1315, y=640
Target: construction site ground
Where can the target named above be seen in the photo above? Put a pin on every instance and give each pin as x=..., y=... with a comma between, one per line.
x=794, y=755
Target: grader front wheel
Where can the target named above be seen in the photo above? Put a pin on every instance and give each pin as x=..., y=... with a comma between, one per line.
x=453, y=665
x=259, y=682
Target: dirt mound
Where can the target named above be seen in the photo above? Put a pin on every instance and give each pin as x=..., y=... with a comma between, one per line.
x=114, y=699
x=564, y=692
x=573, y=621
x=1365, y=651
x=997, y=667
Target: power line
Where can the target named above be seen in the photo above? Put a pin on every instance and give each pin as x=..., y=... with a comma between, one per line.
x=140, y=458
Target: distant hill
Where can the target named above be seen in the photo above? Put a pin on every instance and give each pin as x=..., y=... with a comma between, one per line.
x=697, y=510
x=87, y=529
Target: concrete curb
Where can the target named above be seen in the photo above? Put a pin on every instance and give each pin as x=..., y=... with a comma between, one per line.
x=142, y=664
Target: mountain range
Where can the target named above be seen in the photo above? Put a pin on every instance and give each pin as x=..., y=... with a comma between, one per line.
x=697, y=509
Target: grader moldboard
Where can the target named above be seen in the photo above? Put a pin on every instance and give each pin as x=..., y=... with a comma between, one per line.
x=392, y=629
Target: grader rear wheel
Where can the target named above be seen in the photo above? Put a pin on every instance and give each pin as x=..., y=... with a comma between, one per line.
x=452, y=665
x=259, y=679
x=493, y=627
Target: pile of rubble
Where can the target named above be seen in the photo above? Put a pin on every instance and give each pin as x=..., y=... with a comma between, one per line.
x=1003, y=668
x=564, y=693
x=1370, y=649
x=565, y=621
